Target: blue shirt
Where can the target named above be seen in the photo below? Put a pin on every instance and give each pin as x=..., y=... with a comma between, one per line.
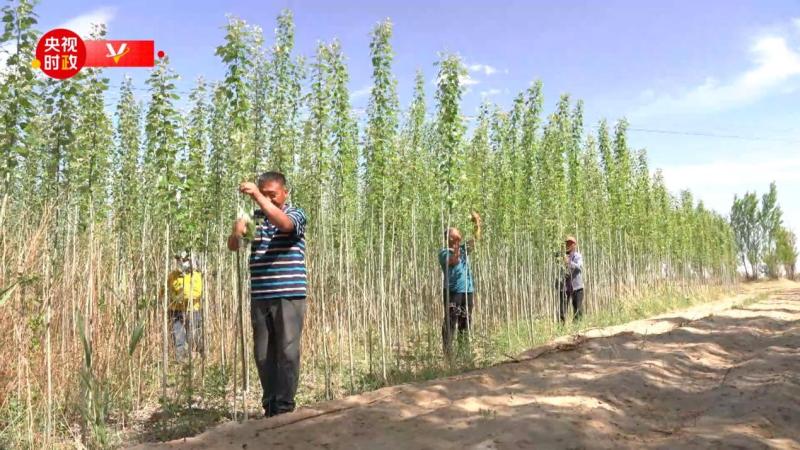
x=457, y=278
x=277, y=258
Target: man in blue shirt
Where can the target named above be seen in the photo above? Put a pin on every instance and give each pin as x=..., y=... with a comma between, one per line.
x=459, y=287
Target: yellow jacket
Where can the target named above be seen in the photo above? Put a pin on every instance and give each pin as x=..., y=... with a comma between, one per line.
x=182, y=287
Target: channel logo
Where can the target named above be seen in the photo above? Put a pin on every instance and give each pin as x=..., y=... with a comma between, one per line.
x=61, y=53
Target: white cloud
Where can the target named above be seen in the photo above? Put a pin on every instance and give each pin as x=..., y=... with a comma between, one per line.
x=717, y=181
x=482, y=68
x=464, y=80
x=5, y=51
x=775, y=63
x=362, y=92
x=81, y=24
x=727, y=173
x=467, y=80
x=489, y=93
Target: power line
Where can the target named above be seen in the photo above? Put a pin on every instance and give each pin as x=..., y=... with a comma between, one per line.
x=144, y=89
x=361, y=111
x=714, y=135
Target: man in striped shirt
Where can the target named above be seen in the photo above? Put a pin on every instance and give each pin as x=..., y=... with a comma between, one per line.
x=277, y=288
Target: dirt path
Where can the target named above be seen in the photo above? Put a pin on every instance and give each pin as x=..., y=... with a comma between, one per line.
x=714, y=376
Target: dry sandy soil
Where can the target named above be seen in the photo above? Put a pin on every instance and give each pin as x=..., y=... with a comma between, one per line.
x=721, y=375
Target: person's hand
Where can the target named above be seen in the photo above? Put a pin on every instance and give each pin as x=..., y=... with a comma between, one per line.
x=456, y=248
x=240, y=227
x=475, y=217
x=250, y=189
x=566, y=260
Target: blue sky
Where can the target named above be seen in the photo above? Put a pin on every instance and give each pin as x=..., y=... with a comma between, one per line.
x=724, y=73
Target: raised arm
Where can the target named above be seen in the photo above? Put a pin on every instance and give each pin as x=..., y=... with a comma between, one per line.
x=476, y=225
x=476, y=231
x=274, y=214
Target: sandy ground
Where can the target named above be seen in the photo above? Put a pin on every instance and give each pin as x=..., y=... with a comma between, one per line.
x=720, y=375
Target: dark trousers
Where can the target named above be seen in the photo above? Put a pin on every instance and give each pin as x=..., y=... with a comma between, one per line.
x=577, y=304
x=457, y=317
x=277, y=327
x=187, y=332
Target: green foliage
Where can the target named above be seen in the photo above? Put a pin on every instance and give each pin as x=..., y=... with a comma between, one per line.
x=377, y=194
x=552, y=180
x=575, y=177
x=316, y=155
x=478, y=158
x=623, y=173
x=756, y=230
x=136, y=337
x=194, y=199
x=221, y=178
x=770, y=221
x=594, y=193
x=450, y=129
x=237, y=54
x=162, y=141
x=5, y=293
x=344, y=133
x=240, y=53
x=17, y=86
x=744, y=220
x=786, y=251
x=381, y=122
x=96, y=398
x=125, y=186
x=284, y=95
x=89, y=164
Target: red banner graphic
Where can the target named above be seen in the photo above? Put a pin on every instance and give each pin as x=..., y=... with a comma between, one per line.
x=107, y=53
x=61, y=54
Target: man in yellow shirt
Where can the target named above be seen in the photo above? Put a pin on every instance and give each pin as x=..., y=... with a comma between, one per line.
x=185, y=310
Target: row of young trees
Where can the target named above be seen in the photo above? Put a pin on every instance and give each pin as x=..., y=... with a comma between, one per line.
x=94, y=204
x=764, y=243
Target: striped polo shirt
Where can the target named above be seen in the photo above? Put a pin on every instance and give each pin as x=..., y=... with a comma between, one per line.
x=278, y=259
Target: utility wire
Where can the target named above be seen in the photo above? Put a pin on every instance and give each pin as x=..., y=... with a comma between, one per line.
x=361, y=111
x=715, y=135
